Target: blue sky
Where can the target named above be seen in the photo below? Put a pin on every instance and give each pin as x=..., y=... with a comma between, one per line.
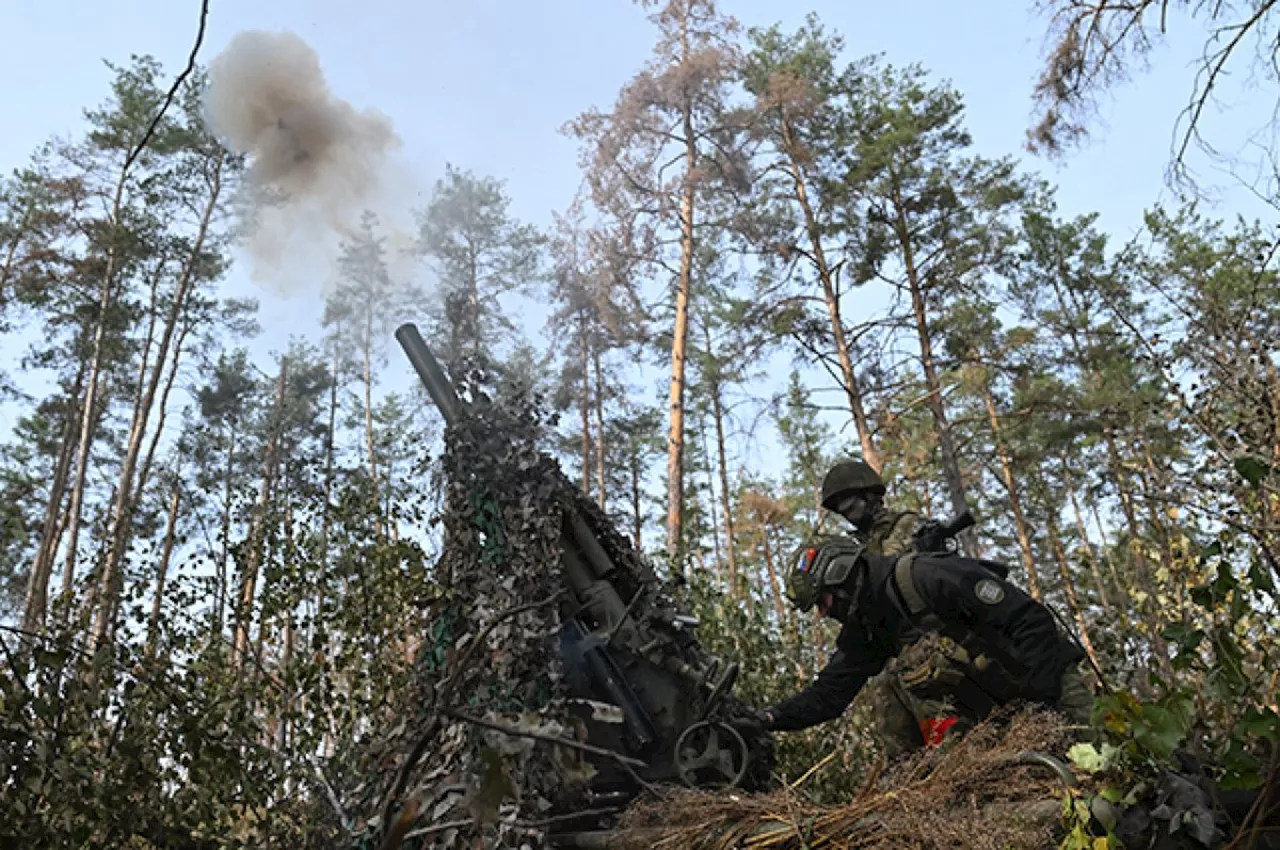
x=486, y=84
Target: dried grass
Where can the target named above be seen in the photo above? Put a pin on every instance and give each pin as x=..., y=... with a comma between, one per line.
x=973, y=794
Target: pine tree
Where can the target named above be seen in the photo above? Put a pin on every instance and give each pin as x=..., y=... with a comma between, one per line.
x=673, y=112
x=931, y=220
x=478, y=252
x=803, y=121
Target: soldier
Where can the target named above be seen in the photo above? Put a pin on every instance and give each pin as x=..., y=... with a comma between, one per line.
x=950, y=639
x=855, y=491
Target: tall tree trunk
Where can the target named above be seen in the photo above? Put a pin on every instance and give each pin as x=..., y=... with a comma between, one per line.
x=584, y=404
x=286, y=651
x=224, y=560
x=602, y=495
x=76, y=508
x=826, y=279
x=148, y=340
x=1121, y=590
x=367, y=377
x=933, y=385
x=1015, y=500
x=1068, y=583
x=636, y=515
x=711, y=498
x=162, y=410
x=257, y=529
x=112, y=582
x=326, y=517
x=679, y=337
x=88, y=407
x=775, y=586
x=1095, y=568
x=37, y=599
x=726, y=502
x=162, y=569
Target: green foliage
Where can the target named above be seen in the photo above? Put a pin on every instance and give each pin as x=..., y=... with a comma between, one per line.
x=1252, y=469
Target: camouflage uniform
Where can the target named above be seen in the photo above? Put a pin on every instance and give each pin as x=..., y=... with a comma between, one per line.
x=891, y=532
x=900, y=711
x=940, y=635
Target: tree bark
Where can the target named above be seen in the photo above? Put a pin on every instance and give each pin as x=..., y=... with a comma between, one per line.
x=248, y=584
x=367, y=377
x=162, y=569
x=112, y=582
x=327, y=511
x=711, y=499
x=88, y=407
x=220, y=604
x=826, y=279
x=162, y=410
x=1068, y=584
x=75, y=509
x=602, y=496
x=726, y=503
x=1116, y=583
x=636, y=516
x=775, y=586
x=1094, y=567
x=584, y=405
x=679, y=336
x=1015, y=500
x=928, y=363
x=37, y=599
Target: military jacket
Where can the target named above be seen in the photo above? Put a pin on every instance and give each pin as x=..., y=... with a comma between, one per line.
x=966, y=600
x=891, y=532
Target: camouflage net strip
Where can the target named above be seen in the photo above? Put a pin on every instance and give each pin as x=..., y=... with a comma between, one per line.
x=973, y=794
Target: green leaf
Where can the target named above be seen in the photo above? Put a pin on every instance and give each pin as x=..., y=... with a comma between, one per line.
x=1086, y=757
x=1159, y=730
x=1239, y=769
x=1259, y=724
x=1090, y=760
x=1252, y=469
x=1260, y=577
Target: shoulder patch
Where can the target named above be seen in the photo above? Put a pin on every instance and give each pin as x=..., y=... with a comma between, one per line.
x=988, y=591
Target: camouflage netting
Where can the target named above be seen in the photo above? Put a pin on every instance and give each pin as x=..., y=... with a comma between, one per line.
x=973, y=794
x=445, y=777
x=468, y=785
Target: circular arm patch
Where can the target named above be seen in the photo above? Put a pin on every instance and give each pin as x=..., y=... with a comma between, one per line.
x=988, y=591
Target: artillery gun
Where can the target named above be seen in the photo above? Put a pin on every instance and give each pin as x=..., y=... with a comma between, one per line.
x=624, y=642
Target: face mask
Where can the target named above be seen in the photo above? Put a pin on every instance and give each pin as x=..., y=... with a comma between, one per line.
x=856, y=508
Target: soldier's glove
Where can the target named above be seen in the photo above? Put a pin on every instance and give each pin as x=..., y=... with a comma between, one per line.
x=753, y=724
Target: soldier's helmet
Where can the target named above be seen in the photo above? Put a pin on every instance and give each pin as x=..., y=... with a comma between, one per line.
x=847, y=476
x=823, y=565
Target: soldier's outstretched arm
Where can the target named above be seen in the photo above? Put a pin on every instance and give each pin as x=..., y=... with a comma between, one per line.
x=960, y=589
x=849, y=668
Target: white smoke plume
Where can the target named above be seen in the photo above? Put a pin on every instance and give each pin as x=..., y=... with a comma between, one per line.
x=314, y=161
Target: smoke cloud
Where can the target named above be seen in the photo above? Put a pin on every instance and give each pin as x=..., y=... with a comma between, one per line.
x=314, y=161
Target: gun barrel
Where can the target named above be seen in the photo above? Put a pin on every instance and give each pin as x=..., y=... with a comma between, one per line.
x=960, y=522
x=428, y=369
